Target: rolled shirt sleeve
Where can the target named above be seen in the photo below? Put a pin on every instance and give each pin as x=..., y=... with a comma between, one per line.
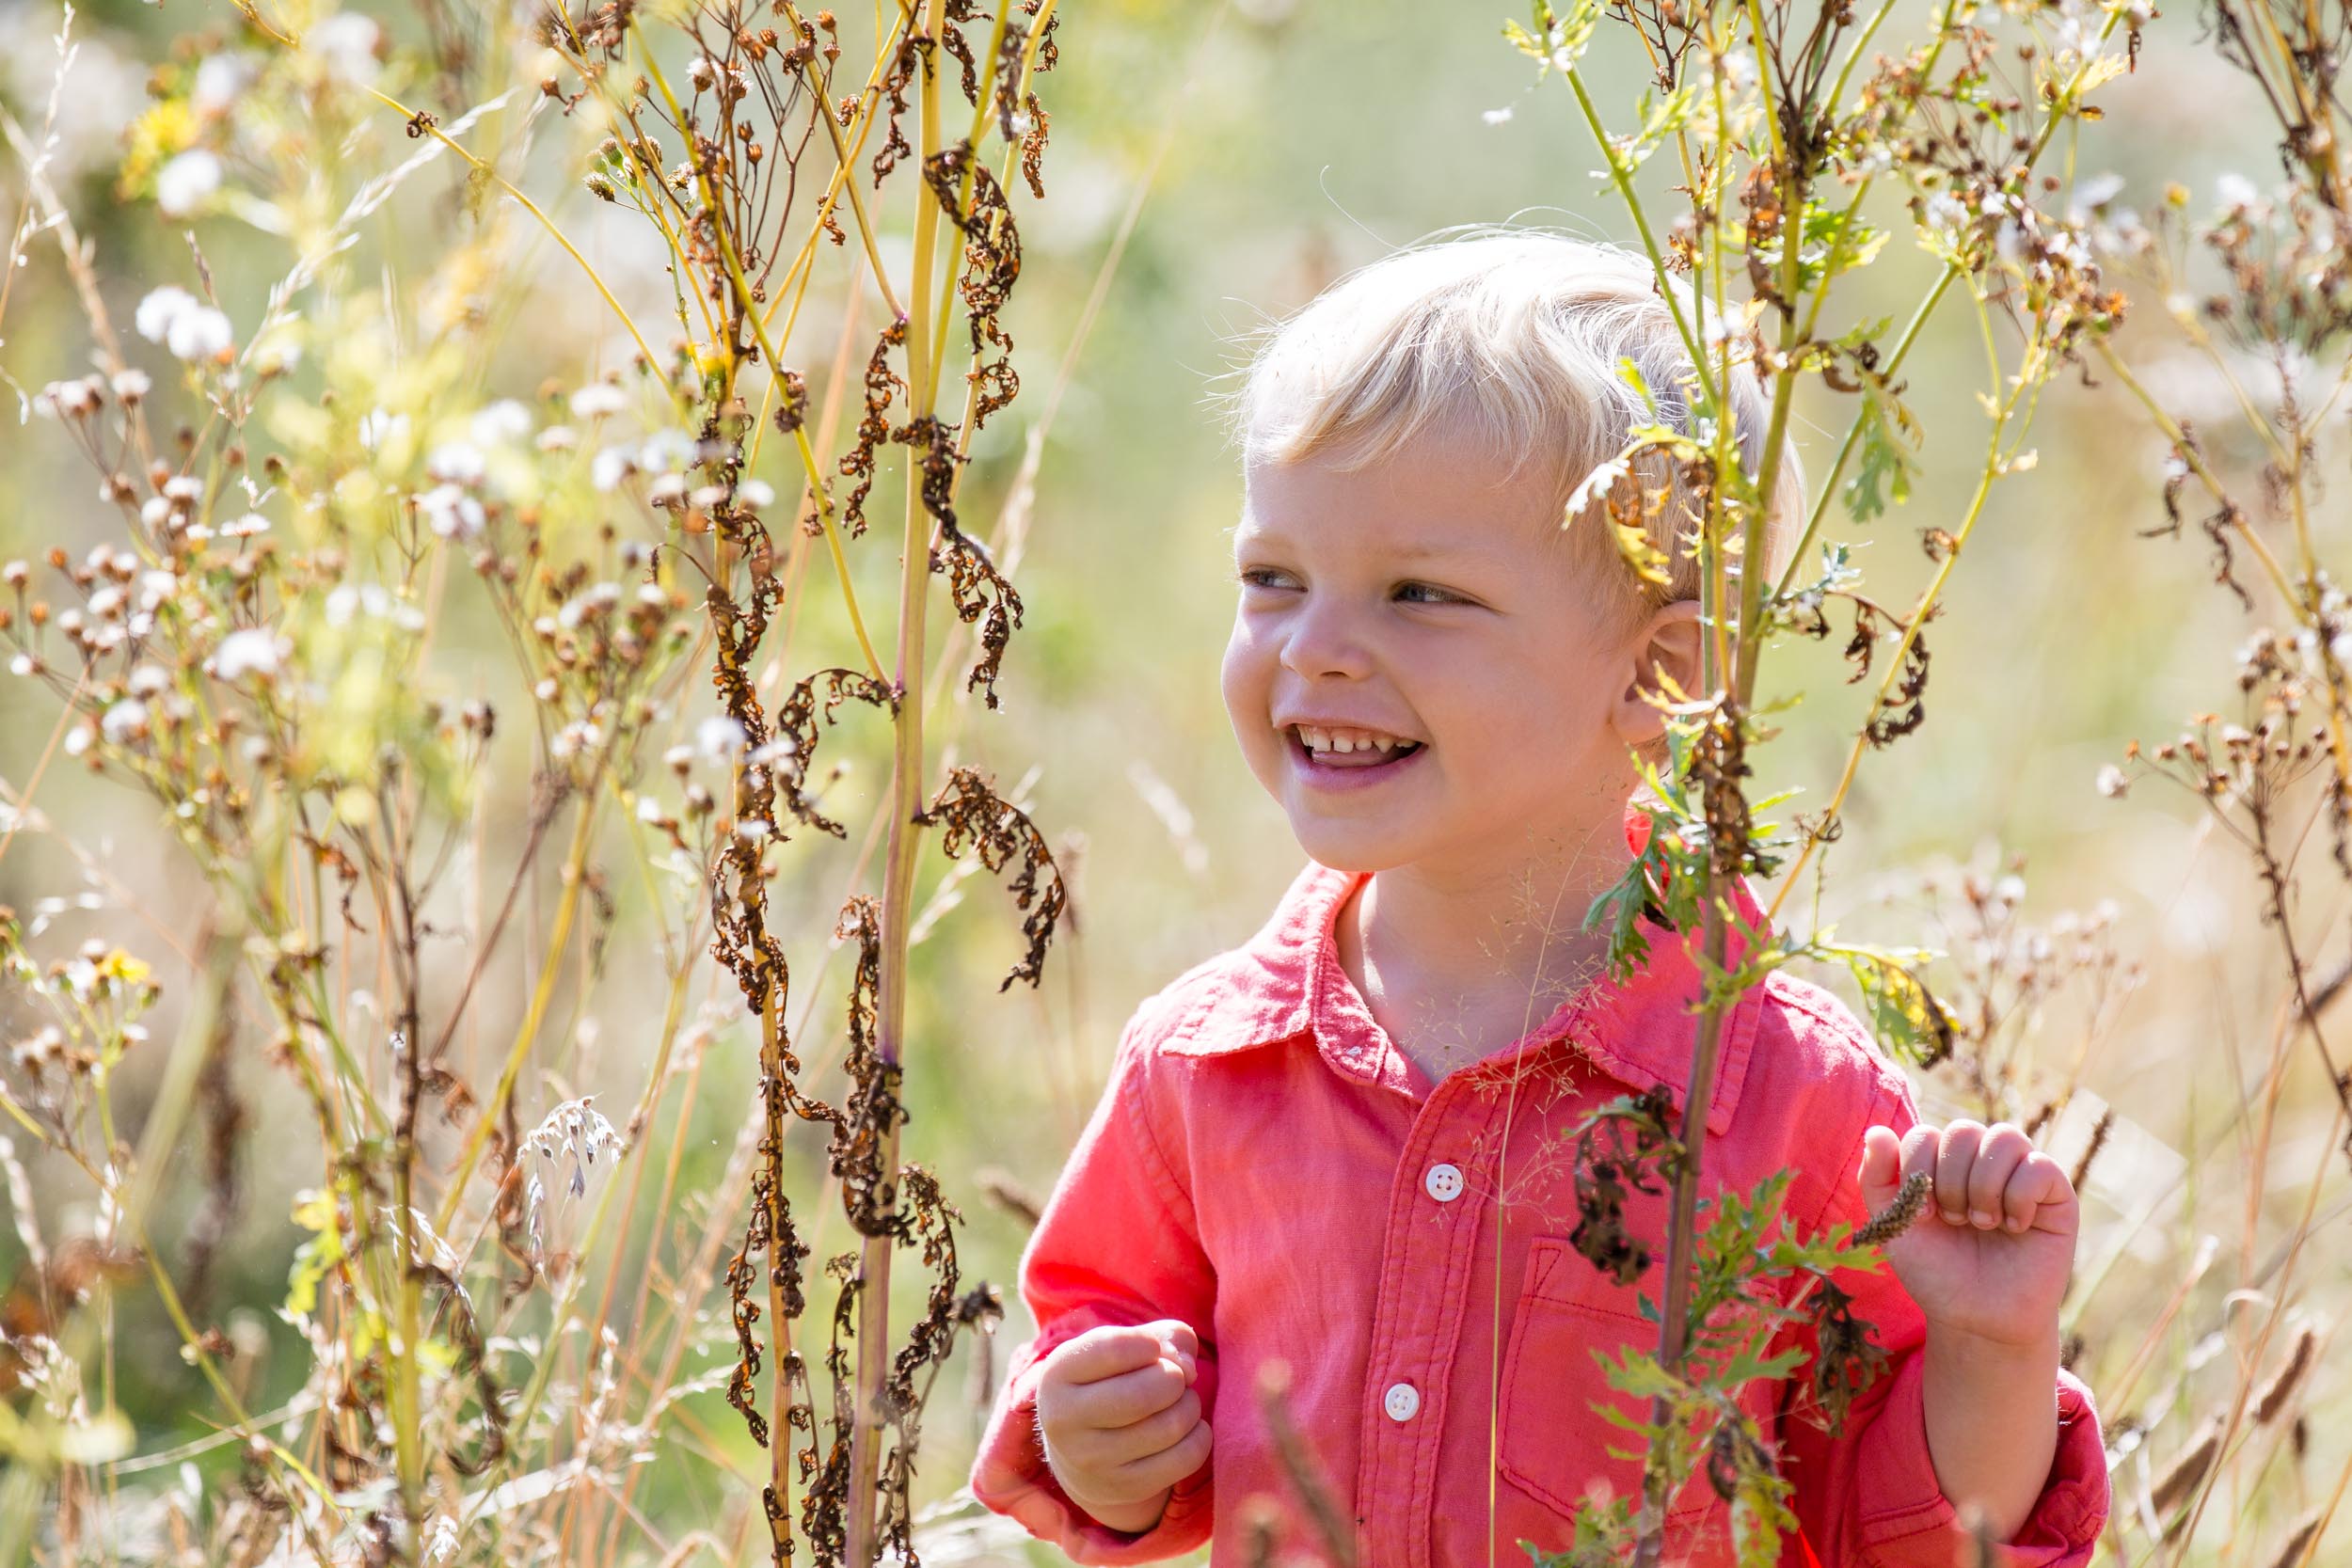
x=1117, y=1244
x=1868, y=1497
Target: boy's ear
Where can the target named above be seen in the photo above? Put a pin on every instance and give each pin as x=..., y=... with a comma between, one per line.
x=1671, y=640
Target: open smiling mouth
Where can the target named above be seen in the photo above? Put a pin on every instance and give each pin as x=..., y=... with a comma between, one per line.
x=1362, y=763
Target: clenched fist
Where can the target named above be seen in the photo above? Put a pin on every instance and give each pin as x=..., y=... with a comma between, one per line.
x=1990, y=1256
x=1121, y=1419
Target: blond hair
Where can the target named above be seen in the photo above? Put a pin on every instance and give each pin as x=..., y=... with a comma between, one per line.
x=1511, y=336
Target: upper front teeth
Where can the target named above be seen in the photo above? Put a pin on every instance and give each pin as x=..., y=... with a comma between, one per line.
x=1348, y=740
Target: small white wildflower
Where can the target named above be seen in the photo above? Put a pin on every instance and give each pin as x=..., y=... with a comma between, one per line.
x=557, y=438
x=2235, y=190
x=348, y=42
x=457, y=462
x=648, y=809
x=201, y=333
x=1497, y=116
x=2113, y=782
x=147, y=680
x=611, y=466
x=452, y=513
x=218, y=81
x=668, y=449
x=252, y=650
x=160, y=308
x=125, y=720
x=545, y=690
x=718, y=737
x=240, y=528
x=751, y=830
x=705, y=496
x=667, y=488
x=755, y=493
x=78, y=739
x=501, y=422
x=22, y=665
x=183, y=184
x=183, y=487
x=1945, y=211
x=131, y=385
x=598, y=399
x=378, y=428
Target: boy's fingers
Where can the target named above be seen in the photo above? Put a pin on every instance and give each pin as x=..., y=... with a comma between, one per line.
x=1171, y=1464
x=1110, y=1403
x=1108, y=1352
x=2041, y=1194
x=1880, y=1170
x=1155, y=1432
x=1918, y=1147
x=2004, y=1148
x=1954, y=1159
x=1178, y=1334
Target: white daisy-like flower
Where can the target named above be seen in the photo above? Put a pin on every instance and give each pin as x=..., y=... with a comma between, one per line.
x=378, y=428
x=718, y=737
x=348, y=42
x=200, y=333
x=252, y=650
x=755, y=493
x=611, y=466
x=557, y=438
x=219, y=78
x=457, y=462
x=452, y=513
x=131, y=385
x=160, y=308
x=499, y=424
x=125, y=720
x=598, y=399
x=183, y=184
x=240, y=528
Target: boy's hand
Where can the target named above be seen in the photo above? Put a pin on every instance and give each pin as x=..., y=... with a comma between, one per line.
x=1120, y=1422
x=1990, y=1256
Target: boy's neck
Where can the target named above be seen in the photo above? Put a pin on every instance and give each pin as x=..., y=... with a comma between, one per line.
x=1454, y=973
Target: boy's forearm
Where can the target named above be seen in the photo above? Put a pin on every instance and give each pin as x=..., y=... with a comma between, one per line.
x=1992, y=1419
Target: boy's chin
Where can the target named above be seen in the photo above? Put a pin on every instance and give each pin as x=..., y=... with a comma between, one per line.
x=1354, y=852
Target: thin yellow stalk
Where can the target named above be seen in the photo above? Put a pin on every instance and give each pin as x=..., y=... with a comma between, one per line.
x=574, y=870
x=906, y=802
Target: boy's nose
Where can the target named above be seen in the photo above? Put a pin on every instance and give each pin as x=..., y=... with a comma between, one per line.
x=1323, y=644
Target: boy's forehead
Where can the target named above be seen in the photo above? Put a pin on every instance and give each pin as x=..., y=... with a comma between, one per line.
x=1370, y=512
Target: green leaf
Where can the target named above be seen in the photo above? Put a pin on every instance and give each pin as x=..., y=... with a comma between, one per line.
x=1885, y=469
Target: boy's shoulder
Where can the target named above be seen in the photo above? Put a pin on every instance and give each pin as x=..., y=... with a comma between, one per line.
x=1254, y=992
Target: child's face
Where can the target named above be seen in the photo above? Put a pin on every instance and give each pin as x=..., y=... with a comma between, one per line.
x=1417, y=599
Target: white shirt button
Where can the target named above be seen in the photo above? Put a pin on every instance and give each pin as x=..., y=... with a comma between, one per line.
x=1402, y=1401
x=1444, y=1182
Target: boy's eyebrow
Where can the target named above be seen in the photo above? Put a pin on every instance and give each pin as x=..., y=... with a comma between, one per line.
x=1418, y=550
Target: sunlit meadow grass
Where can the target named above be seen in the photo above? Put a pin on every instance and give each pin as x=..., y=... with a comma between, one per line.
x=440, y=618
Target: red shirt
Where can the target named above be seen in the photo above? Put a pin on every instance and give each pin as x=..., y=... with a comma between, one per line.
x=1266, y=1166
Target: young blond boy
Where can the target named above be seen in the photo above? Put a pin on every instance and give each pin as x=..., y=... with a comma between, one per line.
x=1339, y=1147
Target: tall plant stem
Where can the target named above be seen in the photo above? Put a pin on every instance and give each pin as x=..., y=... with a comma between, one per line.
x=873, y=1277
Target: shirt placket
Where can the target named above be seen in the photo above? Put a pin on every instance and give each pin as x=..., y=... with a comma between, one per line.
x=1429, y=1247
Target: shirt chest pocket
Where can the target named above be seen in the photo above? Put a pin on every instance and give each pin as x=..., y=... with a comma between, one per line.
x=1554, y=1443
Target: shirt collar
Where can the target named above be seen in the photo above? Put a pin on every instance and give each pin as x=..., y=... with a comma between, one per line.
x=1286, y=982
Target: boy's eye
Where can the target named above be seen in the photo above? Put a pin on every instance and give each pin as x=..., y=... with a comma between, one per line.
x=1250, y=576
x=1442, y=596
